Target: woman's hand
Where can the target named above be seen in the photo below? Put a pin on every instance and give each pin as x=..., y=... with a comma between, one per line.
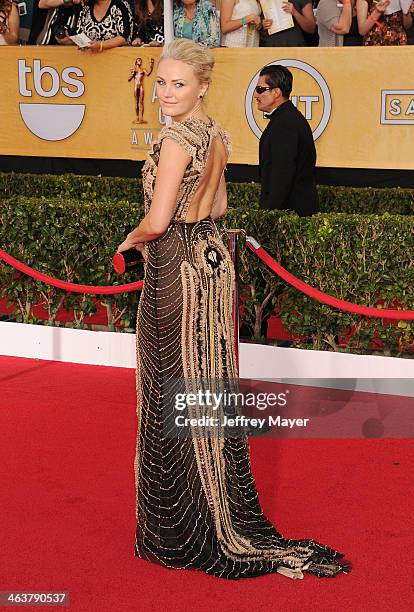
x=137, y=42
x=288, y=7
x=141, y=247
x=129, y=244
x=94, y=46
x=126, y=245
x=64, y=41
x=254, y=19
x=381, y=5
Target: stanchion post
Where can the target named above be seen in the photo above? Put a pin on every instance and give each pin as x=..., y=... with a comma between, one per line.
x=233, y=248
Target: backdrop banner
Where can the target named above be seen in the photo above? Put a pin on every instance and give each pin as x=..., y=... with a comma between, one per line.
x=60, y=102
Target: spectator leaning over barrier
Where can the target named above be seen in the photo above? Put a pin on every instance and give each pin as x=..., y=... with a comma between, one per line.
x=150, y=23
x=333, y=22
x=240, y=23
x=9, y=23
x=379, y=28
x=109, y=23
x=303, y=19
x=52, y=19
x=197, y=20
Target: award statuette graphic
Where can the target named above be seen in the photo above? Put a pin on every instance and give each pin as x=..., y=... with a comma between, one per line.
x=138, y=73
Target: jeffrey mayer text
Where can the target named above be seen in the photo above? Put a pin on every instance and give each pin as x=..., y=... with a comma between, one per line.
x=239, y=421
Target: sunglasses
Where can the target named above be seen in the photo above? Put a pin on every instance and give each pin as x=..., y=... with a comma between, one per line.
x=259, y=89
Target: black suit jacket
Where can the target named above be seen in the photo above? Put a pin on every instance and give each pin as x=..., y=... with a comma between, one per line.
x=287, y=158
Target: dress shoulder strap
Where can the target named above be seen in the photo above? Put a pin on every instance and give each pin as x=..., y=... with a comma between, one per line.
x=226, y=139
x=186, y=138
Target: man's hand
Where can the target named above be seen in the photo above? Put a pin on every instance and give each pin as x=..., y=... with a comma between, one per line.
x=267, y=23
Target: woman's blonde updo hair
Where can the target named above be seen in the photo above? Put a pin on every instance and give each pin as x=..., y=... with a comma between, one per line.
x=200, y=58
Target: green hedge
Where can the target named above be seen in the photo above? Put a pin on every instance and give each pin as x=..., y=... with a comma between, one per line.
x=331, y=199
x=360, y=258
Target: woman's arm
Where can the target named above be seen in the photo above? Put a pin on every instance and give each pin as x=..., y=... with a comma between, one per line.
x=48, y=4
x=220, y=201
x=407, y=20
x=367, y=21
x=13, y=22
x=228, y=24
x=96, y=45
x=305, y=19
x=343, y=25
x=171, y=167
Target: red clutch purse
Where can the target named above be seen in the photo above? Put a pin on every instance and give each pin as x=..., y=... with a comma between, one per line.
x=127, y=260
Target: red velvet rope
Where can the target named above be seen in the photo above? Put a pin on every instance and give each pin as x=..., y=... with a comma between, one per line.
x=55, y=282
x=381, y=313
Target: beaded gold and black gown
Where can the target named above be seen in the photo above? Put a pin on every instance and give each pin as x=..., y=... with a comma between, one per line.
x=197, y=505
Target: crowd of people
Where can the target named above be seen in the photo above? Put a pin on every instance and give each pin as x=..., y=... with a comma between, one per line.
x=213, y=23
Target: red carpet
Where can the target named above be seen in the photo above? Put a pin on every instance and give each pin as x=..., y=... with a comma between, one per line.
x=68, y=515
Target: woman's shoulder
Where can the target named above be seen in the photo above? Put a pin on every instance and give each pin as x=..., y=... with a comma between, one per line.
x=184, y=134
x=193, y=135
x=181, y=130
x=198, y=127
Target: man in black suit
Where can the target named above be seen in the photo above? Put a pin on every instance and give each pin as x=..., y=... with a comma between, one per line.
x=287, y=153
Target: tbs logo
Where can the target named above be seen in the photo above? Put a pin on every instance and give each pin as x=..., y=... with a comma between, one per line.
x=50, y=121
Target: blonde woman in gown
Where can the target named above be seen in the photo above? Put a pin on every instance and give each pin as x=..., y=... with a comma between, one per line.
x=196, y=501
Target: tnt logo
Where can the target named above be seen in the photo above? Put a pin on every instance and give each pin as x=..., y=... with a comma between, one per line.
x=50, y=121
x=397, y=106
x=310, y=95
